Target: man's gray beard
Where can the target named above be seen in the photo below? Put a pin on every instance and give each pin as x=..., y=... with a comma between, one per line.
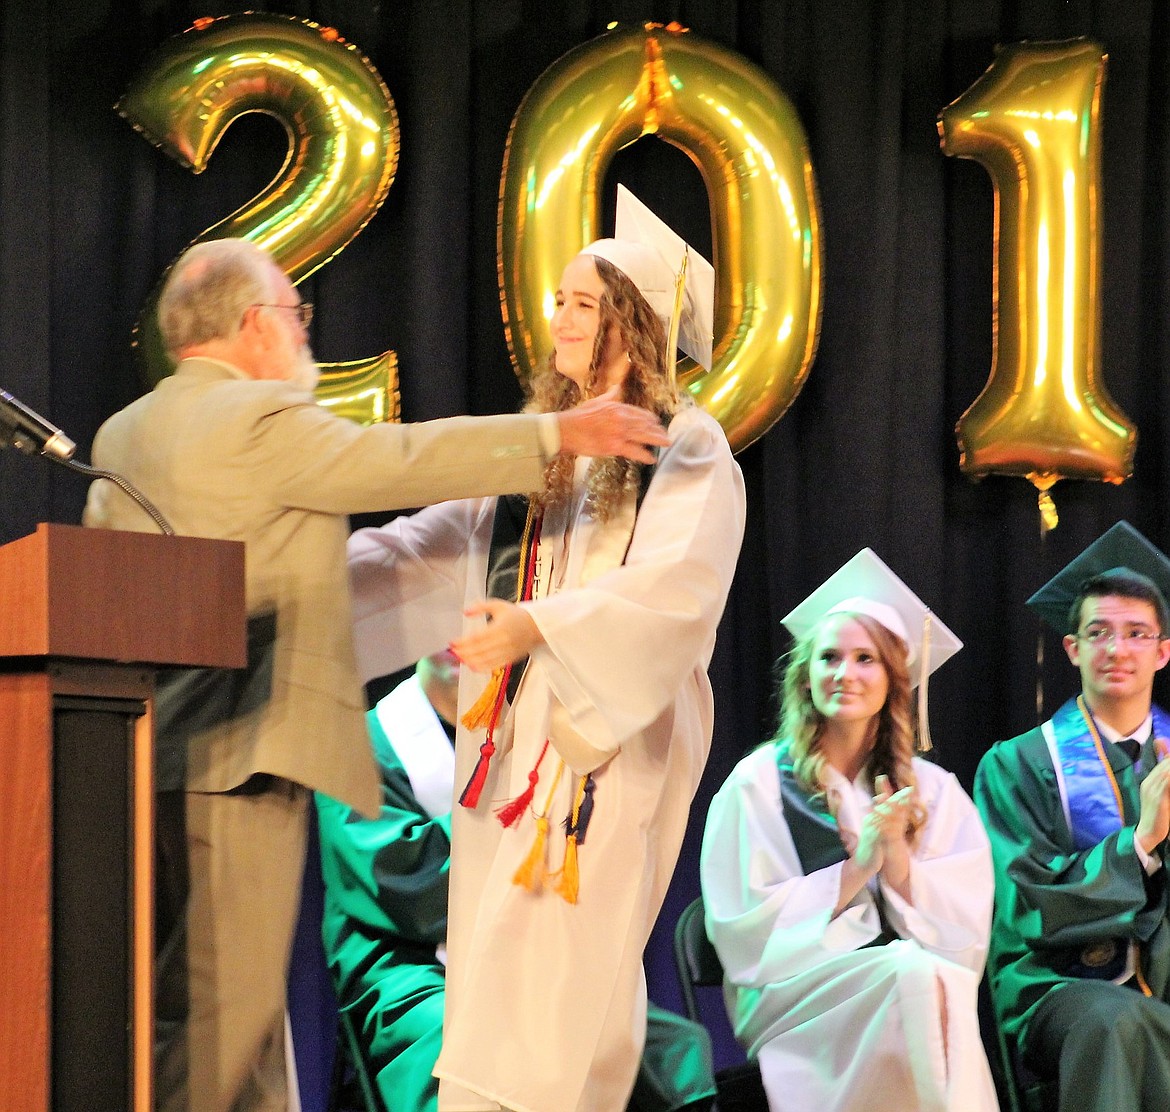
x=306, y=373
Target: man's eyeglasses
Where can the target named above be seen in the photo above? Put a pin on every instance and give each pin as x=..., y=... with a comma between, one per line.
x=1101, y=636
x=304, y=311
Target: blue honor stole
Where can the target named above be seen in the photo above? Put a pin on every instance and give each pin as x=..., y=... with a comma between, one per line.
x=1091, y=794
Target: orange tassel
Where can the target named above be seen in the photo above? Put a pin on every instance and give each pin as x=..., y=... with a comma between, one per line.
x=569, y=883
x=480, y=713
x=532, y=872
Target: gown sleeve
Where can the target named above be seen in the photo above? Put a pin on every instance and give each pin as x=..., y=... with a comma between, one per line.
x=654, y=617
x=388, y=874
x=408, y=583
x=951, y=879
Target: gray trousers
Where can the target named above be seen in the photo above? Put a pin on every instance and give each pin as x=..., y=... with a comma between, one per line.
x=230, y=866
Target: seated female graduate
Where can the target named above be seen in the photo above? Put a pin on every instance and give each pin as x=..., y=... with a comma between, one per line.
x=847, y=882
x=604, y=591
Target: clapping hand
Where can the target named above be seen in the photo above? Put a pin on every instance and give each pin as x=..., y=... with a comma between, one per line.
x=1154, y=821
x=880, y=847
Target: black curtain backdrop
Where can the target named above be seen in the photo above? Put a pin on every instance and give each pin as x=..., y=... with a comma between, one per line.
x=90, y=215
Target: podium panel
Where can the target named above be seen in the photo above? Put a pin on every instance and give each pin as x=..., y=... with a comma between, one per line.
x=85, y=615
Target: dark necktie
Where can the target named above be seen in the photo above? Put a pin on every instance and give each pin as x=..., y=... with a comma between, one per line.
x=1131, y=747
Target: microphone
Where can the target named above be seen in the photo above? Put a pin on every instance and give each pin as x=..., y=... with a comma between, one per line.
x=30, y=432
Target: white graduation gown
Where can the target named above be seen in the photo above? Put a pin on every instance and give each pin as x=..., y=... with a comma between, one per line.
x=835, y=1023
x=546, y=1000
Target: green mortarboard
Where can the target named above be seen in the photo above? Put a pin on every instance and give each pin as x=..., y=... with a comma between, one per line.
x=1119, y=548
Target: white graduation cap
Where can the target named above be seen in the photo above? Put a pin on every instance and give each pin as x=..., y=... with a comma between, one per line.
x=865, y=585
x=656, y=259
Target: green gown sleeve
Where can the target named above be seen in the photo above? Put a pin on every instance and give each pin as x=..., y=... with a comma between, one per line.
x=385, y=914
x=1060, y=912
x=387, y=874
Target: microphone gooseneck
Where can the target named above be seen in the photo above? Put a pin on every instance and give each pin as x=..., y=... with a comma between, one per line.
x=28, y=431
x=124, y=485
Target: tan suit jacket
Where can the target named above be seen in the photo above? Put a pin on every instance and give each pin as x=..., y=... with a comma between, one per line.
x=229, y=457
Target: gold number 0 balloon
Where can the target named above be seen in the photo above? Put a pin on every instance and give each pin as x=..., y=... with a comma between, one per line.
x=744, y=136
x=1033, y=121
x=343, y=151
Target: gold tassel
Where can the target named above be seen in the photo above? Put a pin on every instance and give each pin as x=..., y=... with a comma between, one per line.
x=479, y=714
x=569, y=882
x=925, y=745
x=531, y=873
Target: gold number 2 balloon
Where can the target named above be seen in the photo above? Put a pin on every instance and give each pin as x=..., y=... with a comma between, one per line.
x=1033, y=120
x=745, y=138
x=343, y=151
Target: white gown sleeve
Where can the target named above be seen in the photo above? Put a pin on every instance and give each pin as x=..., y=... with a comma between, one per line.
x=951, y=878
x=767, y=920
x=408, y=584
x=617, y=650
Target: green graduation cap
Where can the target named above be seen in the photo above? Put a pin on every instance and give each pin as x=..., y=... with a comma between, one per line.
x=1121, y=548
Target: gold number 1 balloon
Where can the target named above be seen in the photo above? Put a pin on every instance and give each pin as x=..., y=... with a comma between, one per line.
x=748, y=144
x=343, y=151
x=1033, y=120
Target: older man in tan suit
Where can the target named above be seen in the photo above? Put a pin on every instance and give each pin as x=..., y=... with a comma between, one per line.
x=232, y=446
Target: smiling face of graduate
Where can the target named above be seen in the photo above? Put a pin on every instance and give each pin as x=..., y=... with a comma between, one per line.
x=576, y=320
x=1118, y=666
x=848, y=681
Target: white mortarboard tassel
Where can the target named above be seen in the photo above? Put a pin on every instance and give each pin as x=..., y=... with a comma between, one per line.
x=661, y=264
x=865, y=585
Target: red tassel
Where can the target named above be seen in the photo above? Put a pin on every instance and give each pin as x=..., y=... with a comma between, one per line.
x=470, y=795
x=511, y=811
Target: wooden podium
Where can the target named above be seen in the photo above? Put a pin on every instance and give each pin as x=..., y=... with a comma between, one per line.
x=86, y=615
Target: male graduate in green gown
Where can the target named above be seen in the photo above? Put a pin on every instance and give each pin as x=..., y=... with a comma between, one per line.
x=385, y=918
x=1078, y=811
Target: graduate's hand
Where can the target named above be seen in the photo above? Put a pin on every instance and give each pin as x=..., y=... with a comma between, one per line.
x=510, y=635
x=880, y=846
x=894, y=811
x=1154, y=822
x=605, y=426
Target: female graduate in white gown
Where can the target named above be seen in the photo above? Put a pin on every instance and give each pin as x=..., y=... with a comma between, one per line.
x=847, y=883
x=546, y=997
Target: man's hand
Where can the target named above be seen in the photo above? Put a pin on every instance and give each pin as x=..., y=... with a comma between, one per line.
x=603, y=426
x=1154, y=822
x=510, y=635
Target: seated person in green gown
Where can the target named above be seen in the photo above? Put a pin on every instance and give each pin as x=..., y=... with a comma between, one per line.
x=386, y=912
x=1078, y=812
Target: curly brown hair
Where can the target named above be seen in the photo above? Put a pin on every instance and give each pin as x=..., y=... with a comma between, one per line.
x=802, y=725
x=648, y=384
